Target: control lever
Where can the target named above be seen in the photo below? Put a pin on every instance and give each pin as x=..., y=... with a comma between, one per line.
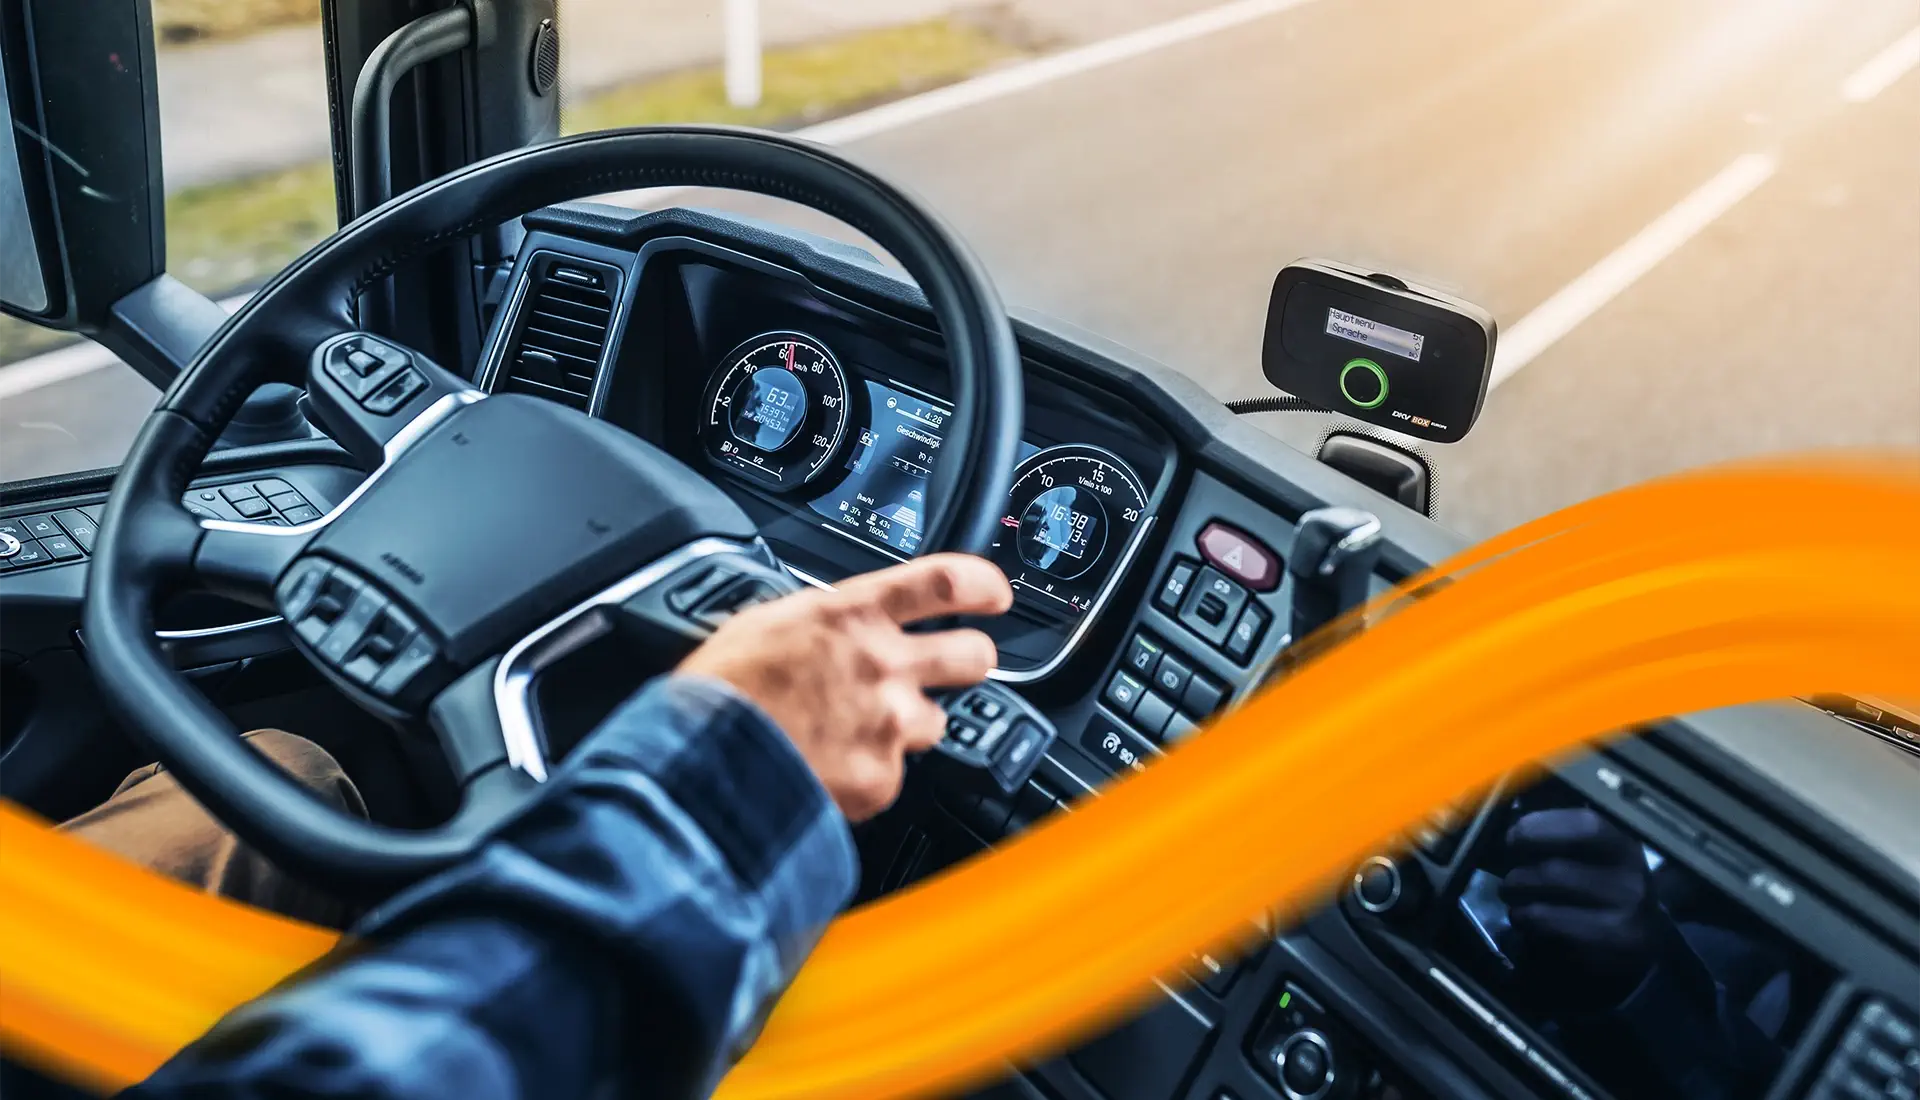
x=1332, y=561
x=994, y=740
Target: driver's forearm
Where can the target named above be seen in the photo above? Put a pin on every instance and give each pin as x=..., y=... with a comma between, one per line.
x=635, y=920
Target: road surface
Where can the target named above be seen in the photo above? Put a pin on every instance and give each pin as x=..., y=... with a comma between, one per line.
x=1698, y=224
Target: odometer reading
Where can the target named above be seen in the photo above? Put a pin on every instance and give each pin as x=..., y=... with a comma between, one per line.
x=1073, y=511
x=776, y=410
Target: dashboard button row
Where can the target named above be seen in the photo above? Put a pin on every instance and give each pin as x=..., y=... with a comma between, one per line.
x=1216, y=607
x=1159, y=689
x=48, y=538
x=270, y=501
x=1878, y=1059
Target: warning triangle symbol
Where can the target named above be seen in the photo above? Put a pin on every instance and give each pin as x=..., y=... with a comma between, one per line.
x=1235, y=558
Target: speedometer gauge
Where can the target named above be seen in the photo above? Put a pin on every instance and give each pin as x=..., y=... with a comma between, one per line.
x=1073, y=511
x=776, y=410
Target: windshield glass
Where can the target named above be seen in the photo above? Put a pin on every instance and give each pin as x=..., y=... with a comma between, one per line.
x=1697, y=225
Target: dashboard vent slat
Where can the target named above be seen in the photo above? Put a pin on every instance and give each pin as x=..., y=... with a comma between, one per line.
x=561, y=335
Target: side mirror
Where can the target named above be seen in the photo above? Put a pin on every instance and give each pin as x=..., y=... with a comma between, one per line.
x=82, y=204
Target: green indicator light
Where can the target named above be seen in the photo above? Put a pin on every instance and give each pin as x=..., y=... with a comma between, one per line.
x=1285, y=998
x=1366, y=366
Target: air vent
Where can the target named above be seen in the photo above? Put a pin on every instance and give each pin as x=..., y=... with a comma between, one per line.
x=562, y=333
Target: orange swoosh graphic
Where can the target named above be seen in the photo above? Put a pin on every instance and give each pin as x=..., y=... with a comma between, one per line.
x=1679, y=595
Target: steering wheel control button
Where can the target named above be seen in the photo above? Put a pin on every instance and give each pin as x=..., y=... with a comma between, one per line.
x=395, y=393
x=1115, y=747
x=1171, y=675
x=994, y=742
x=1240, y=556
x=313, y=596
x=1124, y=692
x=1153, y=713
x=305, y=513
x=406, y=665
x=1305, y=1065
x=361, y=366
x=252, y=507
x=1142, y=654
x=389, y=631
x=1173, y=590
x=1247, y=632
x=353, y=626
x=1019, y=753
x=687, y=595
x=1364, y=383
x=1213, y=605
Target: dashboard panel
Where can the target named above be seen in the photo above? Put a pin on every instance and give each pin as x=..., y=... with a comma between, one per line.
x=1789, y=857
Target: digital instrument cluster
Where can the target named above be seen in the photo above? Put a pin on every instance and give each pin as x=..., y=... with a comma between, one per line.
x=784, y=415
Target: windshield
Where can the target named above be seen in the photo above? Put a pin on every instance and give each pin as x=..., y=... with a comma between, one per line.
x=1697, y=225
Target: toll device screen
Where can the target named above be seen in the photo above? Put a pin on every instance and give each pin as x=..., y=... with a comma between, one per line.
x=1378, y=350
x=1374, y=334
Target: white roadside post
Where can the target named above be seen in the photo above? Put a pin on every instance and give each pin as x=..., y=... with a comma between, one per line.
x=743, y=52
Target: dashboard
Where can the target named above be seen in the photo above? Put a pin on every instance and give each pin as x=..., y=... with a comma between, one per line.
x=1144, y=536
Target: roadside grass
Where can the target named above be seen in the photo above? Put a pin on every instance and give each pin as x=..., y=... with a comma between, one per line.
x=192, y=20
x=802, y=84
x=226, y=236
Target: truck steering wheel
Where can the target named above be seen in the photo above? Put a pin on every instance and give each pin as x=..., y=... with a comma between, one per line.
x=387, y=595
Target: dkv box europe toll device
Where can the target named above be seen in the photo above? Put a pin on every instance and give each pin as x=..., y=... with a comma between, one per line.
x=1376, y=348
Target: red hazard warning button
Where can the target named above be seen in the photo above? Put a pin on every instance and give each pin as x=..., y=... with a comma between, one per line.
x=1240, y=556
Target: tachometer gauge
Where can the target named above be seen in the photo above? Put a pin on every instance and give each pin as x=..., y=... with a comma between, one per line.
x=776, y=410
x=1072, y=513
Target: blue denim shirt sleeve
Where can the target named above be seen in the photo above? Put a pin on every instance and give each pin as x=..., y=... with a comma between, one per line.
x=627, y=931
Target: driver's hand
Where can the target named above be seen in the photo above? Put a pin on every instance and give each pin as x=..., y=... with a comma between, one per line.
x=837, y=673
x=1580, y=898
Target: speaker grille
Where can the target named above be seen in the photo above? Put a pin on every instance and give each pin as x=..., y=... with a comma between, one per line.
x=543, y=66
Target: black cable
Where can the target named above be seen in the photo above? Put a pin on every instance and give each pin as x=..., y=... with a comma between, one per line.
x=1284, y=403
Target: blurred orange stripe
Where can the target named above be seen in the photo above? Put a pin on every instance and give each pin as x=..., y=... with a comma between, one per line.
x=1688, y=593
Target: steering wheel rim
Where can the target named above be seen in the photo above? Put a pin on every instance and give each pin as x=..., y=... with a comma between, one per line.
x=149, y=545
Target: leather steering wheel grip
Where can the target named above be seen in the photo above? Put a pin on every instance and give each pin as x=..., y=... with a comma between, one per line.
x=147, y=541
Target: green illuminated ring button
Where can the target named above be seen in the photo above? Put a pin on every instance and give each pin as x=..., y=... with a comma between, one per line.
x=1378, y=374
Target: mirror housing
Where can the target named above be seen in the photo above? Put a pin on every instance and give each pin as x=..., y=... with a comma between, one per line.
x=83, y=184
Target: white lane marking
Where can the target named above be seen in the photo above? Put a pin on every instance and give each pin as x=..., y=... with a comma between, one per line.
x=86, y=357
x=53, y=367
x=1004, y=82
x=1886, y=67
x=1603, y=282
x=1044, y=70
